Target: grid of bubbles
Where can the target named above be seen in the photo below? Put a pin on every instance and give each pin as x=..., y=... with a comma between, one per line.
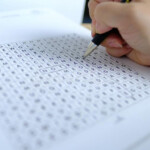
x=49, y=93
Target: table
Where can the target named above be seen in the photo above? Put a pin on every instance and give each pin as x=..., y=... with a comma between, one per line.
x=87, y=25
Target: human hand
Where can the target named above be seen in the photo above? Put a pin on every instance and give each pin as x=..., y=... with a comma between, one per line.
x=133, y=23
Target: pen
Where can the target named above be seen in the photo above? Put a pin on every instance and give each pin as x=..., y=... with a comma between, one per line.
x=99, y=38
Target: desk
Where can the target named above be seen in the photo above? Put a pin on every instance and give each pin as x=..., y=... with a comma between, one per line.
x=87, y=25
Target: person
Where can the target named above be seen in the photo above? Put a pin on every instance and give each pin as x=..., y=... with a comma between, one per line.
x=133, y=23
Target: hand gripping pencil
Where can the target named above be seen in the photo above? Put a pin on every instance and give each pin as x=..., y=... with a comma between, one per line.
x=99, y=38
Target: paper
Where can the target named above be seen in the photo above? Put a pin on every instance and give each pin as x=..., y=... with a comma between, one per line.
x=49, y=93
x=25, y=25
x=69, y=8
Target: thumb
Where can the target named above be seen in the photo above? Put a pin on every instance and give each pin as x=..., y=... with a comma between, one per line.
x=111, y=15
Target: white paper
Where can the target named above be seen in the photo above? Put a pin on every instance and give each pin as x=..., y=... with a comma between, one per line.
x=51, y=98
x=73, y=9
x=34, y=24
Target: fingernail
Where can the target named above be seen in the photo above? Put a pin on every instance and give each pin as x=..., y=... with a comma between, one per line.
x=115, y=44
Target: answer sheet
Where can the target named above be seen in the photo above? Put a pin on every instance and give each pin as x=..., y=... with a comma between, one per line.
x=49, y=93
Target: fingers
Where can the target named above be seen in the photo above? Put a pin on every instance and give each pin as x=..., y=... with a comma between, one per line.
x=134, y=55
x=92, y=6
x=93, y=29
x=114, y=40
x=116, y=46
x=139, y=58
x=114, y=17
x=118, y=52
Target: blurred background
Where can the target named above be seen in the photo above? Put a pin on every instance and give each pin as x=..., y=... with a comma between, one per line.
x=86, y=17
x=76, y=10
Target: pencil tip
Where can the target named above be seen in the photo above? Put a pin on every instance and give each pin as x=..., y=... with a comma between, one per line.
x=89, y=50
x=84, y=57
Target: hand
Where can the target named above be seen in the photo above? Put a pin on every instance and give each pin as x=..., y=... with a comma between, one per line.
x=133, y=23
